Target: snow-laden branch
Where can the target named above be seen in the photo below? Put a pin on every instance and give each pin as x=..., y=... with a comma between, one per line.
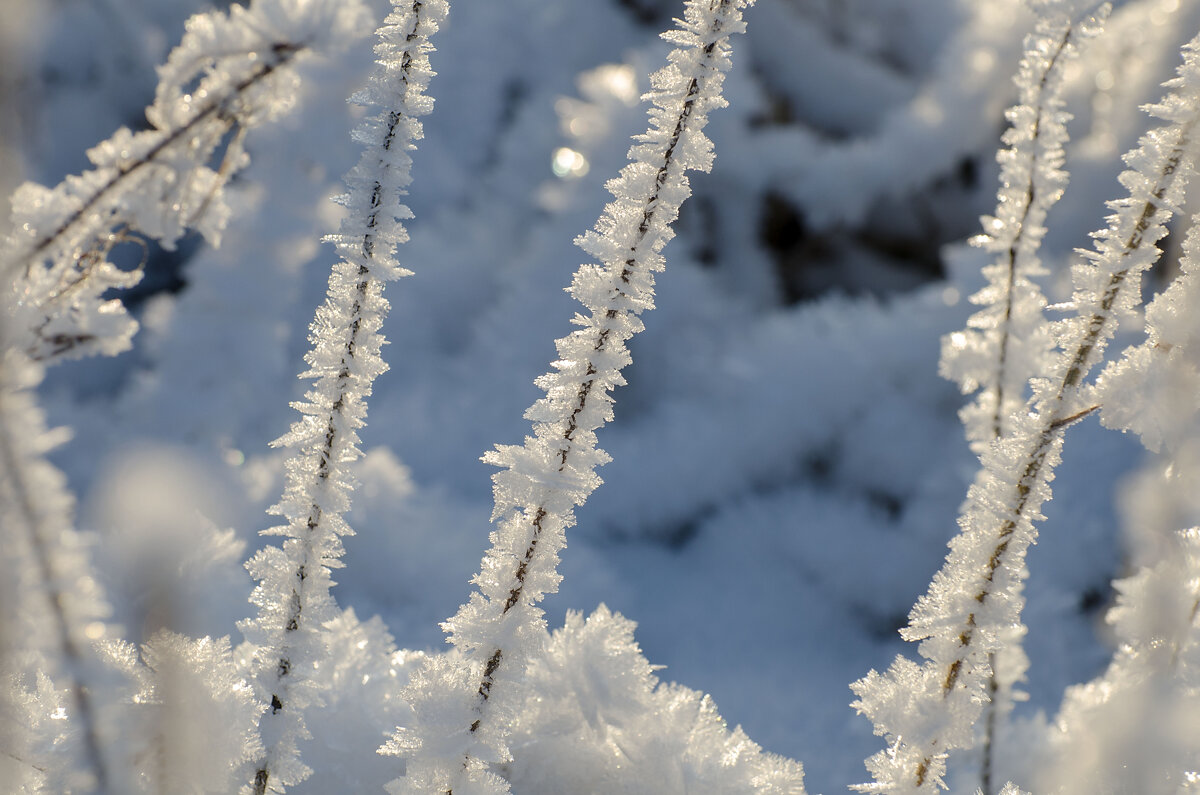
x=1009, y=339
x=1134, y=728
x=293, y=597
x=230, y=72
x=927, y=710
x=464, y=702
x=55, y=610
x=1152, y=389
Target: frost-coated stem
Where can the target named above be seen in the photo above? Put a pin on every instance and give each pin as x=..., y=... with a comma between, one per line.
x=293, y=594
x=927, y=710
x=464, y=702
x=600, y=344
x=1133, y=729
x=229, y=73
x=219, y=109
x=1008, y=340
x=44, y=556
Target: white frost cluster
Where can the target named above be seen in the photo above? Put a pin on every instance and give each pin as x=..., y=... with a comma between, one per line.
x=1153, y=390
x=230, y=72
x=466, y=704
x=598, y=720
x=193, y=720
x=289, y=635
x=1136, y=727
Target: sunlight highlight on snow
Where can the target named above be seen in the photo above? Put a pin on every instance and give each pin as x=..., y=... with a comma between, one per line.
x=568, y=164
x=620, y=81
x=928, y=110
x=983, y=61
x=1161, y=15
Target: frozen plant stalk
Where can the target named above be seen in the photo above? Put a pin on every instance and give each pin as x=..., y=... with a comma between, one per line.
x=54, y=264
x=1135, y=728
x=464, y=701
x=230, y=72
x=927, y=710
x=1009, y=339
x=294, y=580
x=54, y=612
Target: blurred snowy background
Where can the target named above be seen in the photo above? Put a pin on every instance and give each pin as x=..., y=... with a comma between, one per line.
x=787, y=463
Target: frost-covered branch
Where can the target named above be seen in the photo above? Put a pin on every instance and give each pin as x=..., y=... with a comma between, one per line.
x=1134, y=728
x=1009, y=339
x=927, y=710
x=294, y=580
x=229, y=73
x=58, y=605
x=1152, y=389
x=464, y=703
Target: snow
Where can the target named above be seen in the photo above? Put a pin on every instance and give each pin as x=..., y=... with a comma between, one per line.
x=785, y=475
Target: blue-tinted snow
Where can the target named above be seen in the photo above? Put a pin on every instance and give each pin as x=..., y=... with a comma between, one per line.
x=784, y=477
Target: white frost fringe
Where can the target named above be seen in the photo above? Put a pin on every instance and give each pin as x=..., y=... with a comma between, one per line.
x=293, y=598
x=926, y=710
x=464, y=703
